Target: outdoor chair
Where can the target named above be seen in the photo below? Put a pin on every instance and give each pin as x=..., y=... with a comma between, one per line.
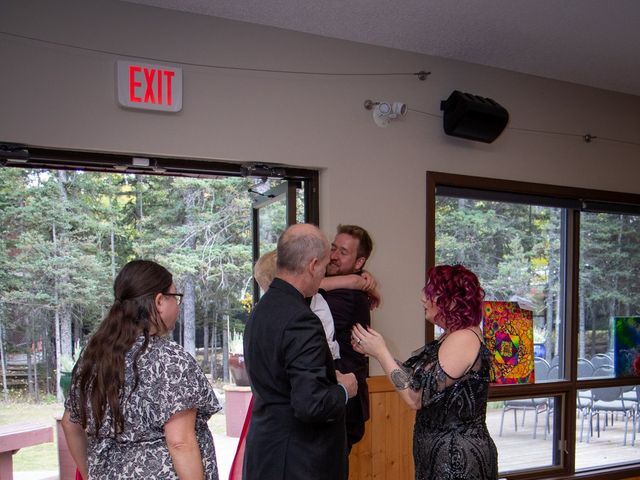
x=601, y=359
x=584, y=397
x=632, y=394
x=611, y=400
x=585, y=368
x=537, y=405
x=541, y=367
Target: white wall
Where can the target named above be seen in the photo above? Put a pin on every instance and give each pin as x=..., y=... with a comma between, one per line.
x=56, y=96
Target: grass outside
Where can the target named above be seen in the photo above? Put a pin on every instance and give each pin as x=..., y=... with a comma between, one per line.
x=38, y=457
x=45, y=456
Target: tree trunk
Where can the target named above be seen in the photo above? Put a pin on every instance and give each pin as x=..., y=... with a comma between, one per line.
x=189, y=315
x=33, y=348
x=46, y=358
x=225, y=348
x=139, y=195
x=549, y=301
x=214, y=347
x=65, y=313
x=582, y=324
x=205, y=349
x=35, y=376
x=5, y=390
x=30, y=388
x=189, y=301
x=59, y=395
x=112, y=243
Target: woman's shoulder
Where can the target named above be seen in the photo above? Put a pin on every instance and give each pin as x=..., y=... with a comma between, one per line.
x=459, y=350
x=465, y=335
x=462, y=341
x=166, y=347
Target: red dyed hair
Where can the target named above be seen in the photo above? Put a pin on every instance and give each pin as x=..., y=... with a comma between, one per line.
x=458, y=295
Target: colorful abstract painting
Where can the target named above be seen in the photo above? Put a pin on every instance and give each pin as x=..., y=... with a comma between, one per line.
x=508, y=333
x=626, y=346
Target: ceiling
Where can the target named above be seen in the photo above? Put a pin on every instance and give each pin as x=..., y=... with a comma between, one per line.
x=589, y=42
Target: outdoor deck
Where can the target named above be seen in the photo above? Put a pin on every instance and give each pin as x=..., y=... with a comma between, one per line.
x=606, y=450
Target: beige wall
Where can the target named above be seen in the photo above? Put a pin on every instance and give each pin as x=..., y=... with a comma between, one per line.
x=56, y=96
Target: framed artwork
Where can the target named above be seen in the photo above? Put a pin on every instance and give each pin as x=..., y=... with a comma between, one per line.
x=626, y=346
x=508, y=333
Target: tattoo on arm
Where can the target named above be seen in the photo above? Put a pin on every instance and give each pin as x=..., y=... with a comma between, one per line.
x=400, y=377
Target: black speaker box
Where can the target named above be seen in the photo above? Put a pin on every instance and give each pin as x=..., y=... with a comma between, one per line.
x=473, y=117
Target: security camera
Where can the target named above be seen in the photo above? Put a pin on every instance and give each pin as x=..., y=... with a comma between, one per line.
x=384, y=112
x=399, y=109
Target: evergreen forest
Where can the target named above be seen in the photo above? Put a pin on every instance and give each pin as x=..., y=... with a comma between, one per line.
x=66, y=234
x=518, y=253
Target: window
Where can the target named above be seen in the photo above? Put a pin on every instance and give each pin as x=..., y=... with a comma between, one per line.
x=70, y=220
x=571, y=256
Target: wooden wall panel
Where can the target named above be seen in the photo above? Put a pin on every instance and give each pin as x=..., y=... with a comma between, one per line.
x=385, y=452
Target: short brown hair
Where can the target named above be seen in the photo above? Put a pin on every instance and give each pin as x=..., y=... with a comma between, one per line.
x=365, y=244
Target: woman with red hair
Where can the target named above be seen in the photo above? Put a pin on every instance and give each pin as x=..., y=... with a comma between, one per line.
x=446, y=381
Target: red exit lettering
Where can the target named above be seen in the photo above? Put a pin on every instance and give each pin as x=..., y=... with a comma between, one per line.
x=150, y=85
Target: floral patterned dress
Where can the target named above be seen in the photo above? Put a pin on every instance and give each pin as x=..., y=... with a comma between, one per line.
x=450, y=438
x=169, y=381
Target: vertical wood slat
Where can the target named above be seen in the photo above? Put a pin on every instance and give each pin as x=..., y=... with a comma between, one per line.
x=385, y=451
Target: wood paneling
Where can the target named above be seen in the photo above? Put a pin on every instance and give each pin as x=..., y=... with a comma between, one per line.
x=385, y=452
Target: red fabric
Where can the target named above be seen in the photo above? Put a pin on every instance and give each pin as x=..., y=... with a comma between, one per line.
x=78, y=476
x=236, y=467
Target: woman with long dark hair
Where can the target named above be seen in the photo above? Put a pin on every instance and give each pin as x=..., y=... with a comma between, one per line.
x=139, y=404
x=446, y=381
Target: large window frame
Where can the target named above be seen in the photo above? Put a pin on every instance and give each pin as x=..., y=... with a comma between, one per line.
x=29, y=156
x=574, y=200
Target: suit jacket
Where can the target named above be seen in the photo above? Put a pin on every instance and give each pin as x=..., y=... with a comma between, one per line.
x=349, y=307
x=297, y=428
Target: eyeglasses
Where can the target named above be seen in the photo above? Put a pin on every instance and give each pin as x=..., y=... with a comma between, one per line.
x=177, y=296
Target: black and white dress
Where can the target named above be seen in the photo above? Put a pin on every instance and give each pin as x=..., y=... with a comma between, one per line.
x=169, y=381
x=450, y=438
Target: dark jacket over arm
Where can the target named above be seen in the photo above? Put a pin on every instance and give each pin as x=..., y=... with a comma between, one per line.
x=297, y=425
x=349, y=307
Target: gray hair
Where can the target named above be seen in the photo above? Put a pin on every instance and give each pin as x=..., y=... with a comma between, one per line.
x=298, y=245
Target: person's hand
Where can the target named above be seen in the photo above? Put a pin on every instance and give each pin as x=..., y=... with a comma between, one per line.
x=370, y=287
x=370, y=282
x=374, y=299
x=367, y=341
x=348, y=381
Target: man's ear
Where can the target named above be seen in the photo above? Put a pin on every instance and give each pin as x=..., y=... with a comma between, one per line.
x=312, y=265
x=360, y=262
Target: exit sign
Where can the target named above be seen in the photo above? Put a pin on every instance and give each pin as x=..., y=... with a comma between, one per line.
x=149, y=87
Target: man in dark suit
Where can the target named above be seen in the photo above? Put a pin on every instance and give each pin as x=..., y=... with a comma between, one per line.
x=297, y=428
x=349, y=252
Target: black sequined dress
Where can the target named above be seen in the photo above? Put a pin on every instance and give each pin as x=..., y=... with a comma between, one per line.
x=450, y=437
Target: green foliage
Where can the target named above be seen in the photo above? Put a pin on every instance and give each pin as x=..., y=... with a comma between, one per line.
x=66, y=235
x=515, y=249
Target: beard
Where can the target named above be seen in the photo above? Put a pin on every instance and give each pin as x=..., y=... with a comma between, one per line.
x=332, y=270
x=335, y=270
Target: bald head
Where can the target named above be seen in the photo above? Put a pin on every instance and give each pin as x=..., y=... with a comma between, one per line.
x=299, y=245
